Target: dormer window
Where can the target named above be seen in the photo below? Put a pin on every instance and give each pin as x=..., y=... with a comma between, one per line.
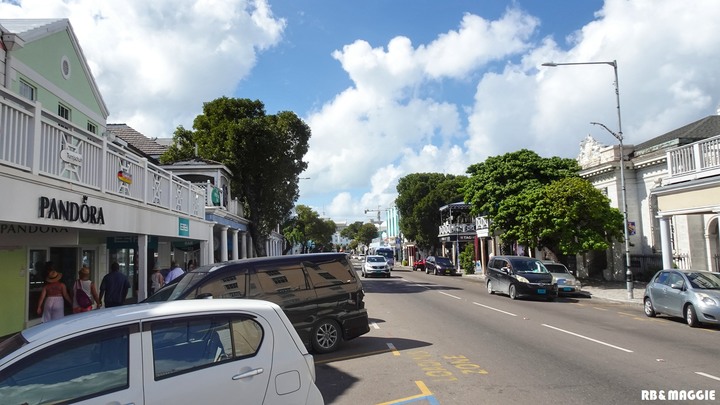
x=27, y=91
x=64, y=112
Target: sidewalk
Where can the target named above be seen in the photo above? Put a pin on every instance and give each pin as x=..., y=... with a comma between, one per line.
x=606, y=290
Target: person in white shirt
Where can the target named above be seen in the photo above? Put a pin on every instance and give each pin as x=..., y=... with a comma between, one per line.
x=174, y=273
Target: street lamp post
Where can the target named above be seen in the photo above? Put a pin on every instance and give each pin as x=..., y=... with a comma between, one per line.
x=619, y=137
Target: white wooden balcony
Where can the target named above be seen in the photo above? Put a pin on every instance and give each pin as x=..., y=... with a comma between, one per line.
x=44, y=144
x=695, y=161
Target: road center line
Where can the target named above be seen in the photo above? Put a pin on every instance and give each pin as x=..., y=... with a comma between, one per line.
x=588, y=338
x=449, y=295
x=392, y=348
x=494, y=309
x=707, y=375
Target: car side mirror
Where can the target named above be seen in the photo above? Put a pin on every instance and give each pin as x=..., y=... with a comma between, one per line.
x=677, y=286
x=505, y=270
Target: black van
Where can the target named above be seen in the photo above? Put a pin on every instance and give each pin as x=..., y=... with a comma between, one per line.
x=319, y=292
x=519, y=275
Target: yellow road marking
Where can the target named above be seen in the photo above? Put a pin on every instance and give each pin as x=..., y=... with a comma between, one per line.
x=424, y=393
x=395, y=351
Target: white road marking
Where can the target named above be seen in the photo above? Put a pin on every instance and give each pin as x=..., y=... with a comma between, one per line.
x=588, y=338
x=494, y=309
x=395, y=351
x=449, y=295
x=707, y=375
x=374, y=325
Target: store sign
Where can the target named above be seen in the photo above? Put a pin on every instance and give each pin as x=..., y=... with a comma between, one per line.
x=71, y=211
x=183, y=227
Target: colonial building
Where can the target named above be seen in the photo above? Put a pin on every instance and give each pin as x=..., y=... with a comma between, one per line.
x=72, y=195
x=673, y=198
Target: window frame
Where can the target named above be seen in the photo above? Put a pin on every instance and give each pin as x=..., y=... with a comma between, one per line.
x=84, y=344
x=25, y=85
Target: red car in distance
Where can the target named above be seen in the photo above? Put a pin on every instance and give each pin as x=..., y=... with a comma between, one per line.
x=419, y=265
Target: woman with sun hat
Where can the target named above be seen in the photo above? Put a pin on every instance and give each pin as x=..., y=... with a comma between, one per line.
x=51, y=305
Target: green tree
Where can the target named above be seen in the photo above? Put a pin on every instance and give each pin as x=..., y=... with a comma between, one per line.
x=367, y=233
x=263, y=152
x=570, y=216
x=308, y=230
x=467, y=259
x=420, y=196
x=541, y=203
x=351, y=231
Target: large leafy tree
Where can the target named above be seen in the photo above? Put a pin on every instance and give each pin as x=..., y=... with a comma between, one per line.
x=264, y=153
x=308, y=230
x=541, y=202
x=570, y=216
x=367, y=233
x=420, y=196
x=351, y=231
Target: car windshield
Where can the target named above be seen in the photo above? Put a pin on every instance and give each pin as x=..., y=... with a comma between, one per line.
x=173, y=291
x=529, y=266
x=376, y=259
x=704, y=281
x=444, y=261
x=556, y=268
x=11, y=344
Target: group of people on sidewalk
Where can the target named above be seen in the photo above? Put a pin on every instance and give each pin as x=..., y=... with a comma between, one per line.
x=113, y=290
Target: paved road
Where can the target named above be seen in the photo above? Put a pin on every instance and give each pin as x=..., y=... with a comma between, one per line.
x=445, y=340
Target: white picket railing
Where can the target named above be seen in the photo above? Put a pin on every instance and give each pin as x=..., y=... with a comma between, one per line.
x=41, y=143
x=697, y=160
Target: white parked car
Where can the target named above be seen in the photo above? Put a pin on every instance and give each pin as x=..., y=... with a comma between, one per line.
x=375, y=265
x=566, y=282
x=191, y=352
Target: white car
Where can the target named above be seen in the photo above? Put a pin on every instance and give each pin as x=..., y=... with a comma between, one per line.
x=375, y=265
x=191, y=352
x=566, y=282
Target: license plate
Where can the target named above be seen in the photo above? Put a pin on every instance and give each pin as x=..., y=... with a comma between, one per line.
x=541, y=291
x=567, y=289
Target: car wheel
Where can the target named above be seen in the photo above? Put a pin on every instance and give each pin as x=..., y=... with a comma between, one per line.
x=512, y=292
x=489, y=287
x=691, y=317
x=326, y=336
x=648, y=307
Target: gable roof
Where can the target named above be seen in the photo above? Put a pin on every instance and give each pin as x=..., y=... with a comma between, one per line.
x=141, y=143
x=24, y=31
x=695, y=131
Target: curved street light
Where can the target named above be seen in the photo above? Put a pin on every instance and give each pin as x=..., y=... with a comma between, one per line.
x=619, y=137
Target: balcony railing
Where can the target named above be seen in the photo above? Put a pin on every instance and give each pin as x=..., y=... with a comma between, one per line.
x=41, y=143
x=698, y=160
x=453, y=229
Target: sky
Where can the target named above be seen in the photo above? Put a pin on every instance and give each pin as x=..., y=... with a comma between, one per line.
x=394, y=87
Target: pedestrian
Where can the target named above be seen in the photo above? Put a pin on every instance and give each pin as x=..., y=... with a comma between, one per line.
x=85, y=292
x=174, y=273
x=51, y=305
x=114, y=287
x=157, y=280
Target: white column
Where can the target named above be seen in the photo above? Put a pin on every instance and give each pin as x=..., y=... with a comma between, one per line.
x=665, y=242
x=223, y=243
x=142, y=267
x=211, y=246
x=251, y=249
x=204, y=253
x=243, y=246
x=234, y=243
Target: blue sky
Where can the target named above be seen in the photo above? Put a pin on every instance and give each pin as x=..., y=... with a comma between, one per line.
x=390, y=88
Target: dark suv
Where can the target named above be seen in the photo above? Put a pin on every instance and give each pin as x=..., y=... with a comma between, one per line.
x=519, y=275
x=439, y=265
x=320, y=293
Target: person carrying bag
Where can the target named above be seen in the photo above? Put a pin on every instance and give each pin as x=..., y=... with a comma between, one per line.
x=84, y=292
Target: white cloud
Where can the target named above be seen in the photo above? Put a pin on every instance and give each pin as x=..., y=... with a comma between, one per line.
x=156, y=62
